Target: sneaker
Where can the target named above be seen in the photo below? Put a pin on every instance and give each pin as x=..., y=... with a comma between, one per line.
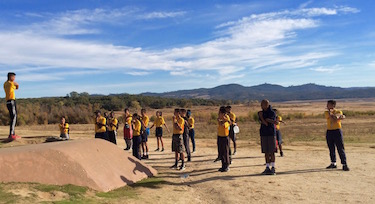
x=267, y=171
x=225, y=170
x=221, y=169
x=332, y=166
x=156, y=149
x=193, y=151
x=345, y=168
x=174, y=166
x=144, y=157
x=273, y=171
x=235, y=152
x=162, y=149
x=182, y=167
x=14, y=137
x=281, y=154
x=217, y=159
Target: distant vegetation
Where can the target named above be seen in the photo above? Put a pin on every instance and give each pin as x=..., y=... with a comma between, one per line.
x=79, y=107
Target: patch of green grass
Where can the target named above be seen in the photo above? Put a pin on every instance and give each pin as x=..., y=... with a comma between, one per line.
x=77, y=201
x=72, y=190
x=153, y=182
x=6, y=197
x=124, y=192
x=131, y=191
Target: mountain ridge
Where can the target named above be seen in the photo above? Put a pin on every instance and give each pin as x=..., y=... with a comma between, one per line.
x=272, y=92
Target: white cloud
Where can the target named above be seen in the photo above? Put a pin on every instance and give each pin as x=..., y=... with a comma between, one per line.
x=135, y=73
x=253, y=42
x=156, y=15
x=328, y=70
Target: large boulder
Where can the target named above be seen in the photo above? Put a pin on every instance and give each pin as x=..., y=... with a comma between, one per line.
x=94, y=163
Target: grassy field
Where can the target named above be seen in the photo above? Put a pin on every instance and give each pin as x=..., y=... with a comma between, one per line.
x=304, y=129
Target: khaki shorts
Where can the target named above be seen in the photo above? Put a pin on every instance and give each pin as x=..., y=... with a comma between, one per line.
x=178, y=143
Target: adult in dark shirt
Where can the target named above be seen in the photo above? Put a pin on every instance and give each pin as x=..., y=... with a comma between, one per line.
x=267, y=131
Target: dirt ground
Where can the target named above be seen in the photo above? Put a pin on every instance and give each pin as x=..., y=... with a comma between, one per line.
x=301, y=175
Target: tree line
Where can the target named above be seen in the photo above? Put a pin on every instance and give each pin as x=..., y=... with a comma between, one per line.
x=79, y=107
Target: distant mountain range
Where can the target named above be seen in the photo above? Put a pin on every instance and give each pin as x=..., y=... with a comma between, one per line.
x=272, y=92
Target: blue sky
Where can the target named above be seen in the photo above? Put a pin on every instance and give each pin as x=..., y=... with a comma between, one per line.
x=136, y=46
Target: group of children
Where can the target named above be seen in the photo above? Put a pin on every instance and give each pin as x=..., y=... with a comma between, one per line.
x=136, y=131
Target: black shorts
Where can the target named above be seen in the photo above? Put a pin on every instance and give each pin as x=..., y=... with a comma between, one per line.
x=144, y=136
x=268, y=144
x=232, y=135
x=279, y=137
x=159, y=132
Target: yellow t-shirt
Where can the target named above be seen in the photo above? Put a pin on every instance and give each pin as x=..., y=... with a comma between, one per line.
x=137, y=128
x=191, y=122
x=331, y=124
x=102, y=121
x=145, y=120
x=64, y=128
x=279, y=119
x=113, y=124
x=223, y=129
x=181, y=122
x=9, y=88
x=232, y=117
x=159, y=121
x=128, y=120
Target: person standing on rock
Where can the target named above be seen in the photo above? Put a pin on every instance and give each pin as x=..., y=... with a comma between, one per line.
x=64, y=128
x=9, y=87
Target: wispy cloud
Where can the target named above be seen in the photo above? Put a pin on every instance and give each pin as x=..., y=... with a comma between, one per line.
x=328, y=70
x=156, y=15
x=253, y=42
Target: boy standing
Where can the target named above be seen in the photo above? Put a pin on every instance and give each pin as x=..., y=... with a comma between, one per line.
x=158, y=123
x=191, y=123
x=232, y=135
x=334, y=135
x=64, y=129
x=112, y=127
x=177, y=139
x=136, y=125
x=9, y=87
x=279, y=138
x=100, y=126
x=186, y=134
x=267, y=136
x=145, y=120
x=128, y=130
x=223, y=140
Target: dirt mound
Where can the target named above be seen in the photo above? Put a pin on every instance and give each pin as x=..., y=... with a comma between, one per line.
x=94, y=163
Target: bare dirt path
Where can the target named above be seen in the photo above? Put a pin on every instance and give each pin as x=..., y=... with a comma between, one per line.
x=301, y=176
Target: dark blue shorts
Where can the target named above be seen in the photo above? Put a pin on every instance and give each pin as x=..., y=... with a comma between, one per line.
x=159, y=132
x=279, y=137
x=144, y=136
